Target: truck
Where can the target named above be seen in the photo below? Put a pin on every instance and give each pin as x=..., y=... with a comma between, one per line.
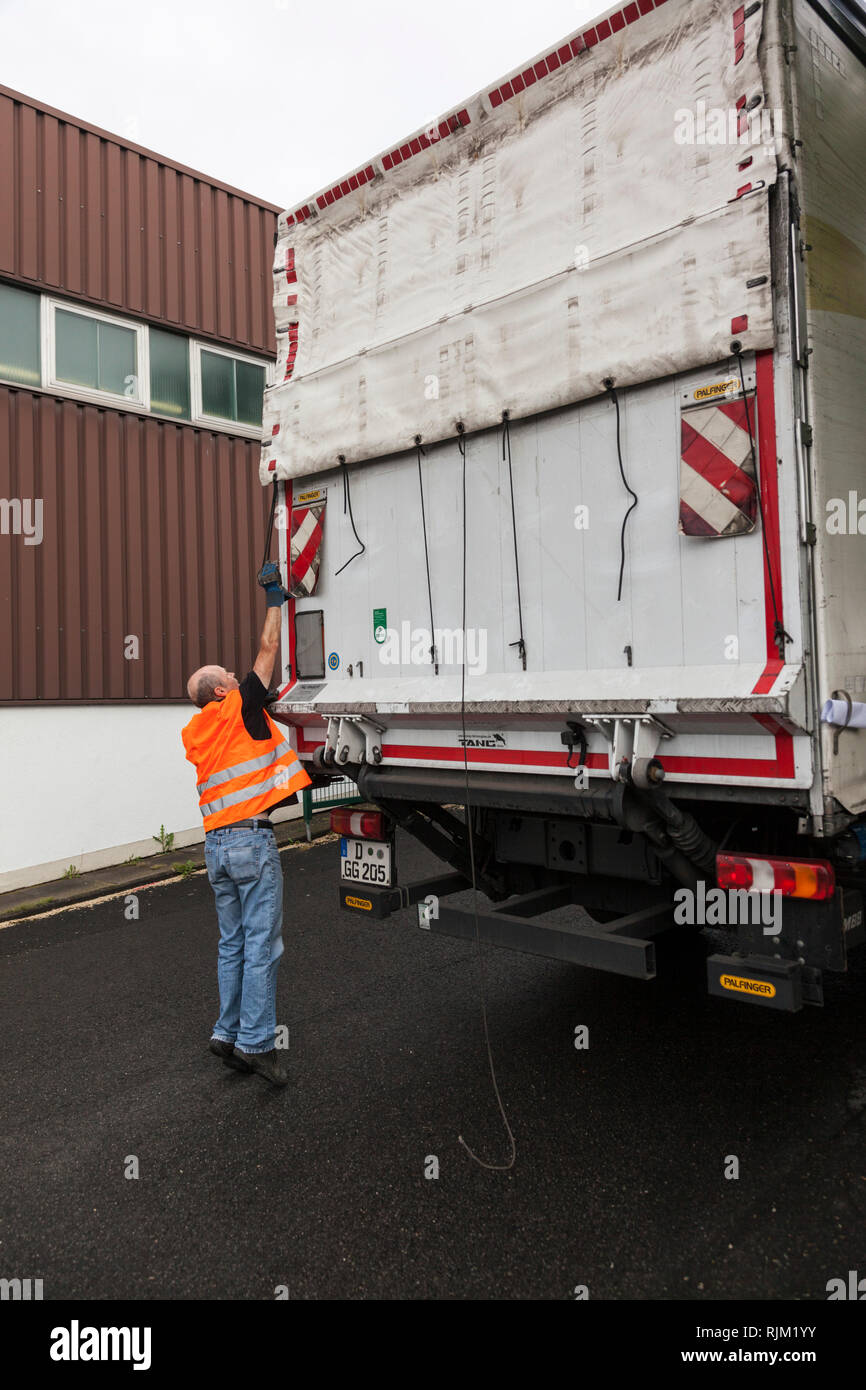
x=565, y=441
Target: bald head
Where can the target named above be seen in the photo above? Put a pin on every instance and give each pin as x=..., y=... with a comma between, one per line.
x=210, y=683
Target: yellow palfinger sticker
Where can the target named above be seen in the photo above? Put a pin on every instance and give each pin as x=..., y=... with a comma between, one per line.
x=359, y=902
x=719, y=388
x=745, y=986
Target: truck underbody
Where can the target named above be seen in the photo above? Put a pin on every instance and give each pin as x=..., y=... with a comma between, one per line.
x=633, y=860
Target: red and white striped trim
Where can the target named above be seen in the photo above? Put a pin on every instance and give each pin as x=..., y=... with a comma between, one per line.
x=456, y=121
x=778, y=767
x=739, y=34
x=572, y=48
x=768, y=481
x=293, y=350
x=291, y=275
x=449, y=126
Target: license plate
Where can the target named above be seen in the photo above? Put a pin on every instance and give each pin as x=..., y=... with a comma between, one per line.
x=366, y=861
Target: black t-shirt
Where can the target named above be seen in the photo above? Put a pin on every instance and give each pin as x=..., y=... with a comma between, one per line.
x=253, y=697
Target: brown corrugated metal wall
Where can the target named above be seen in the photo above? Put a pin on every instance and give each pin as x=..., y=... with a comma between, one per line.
x=150, y=529
x=86, y=214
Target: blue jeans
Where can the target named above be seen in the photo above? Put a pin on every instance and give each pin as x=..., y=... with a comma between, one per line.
x=247, y=879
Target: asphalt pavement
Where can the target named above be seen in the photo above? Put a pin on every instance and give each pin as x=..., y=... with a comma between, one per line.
x=621, y=1148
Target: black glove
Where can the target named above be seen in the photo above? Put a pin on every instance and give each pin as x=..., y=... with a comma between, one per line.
x=270, y=580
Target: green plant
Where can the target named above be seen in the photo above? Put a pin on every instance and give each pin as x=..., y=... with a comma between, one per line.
x=165, y=839
x=133, y=859
x=72, y=872
x=26, y=908
x=185, y=869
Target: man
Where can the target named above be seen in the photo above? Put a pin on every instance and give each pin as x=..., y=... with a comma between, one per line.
x=244, y=766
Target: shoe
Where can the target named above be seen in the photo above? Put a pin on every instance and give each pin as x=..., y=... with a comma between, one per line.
x=226, y=1051
x=266, y=1064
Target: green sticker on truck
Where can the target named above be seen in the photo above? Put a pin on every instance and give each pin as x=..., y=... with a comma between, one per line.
x=380, y=624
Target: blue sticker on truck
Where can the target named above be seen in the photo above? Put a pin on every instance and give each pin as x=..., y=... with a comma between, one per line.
x=333, y=661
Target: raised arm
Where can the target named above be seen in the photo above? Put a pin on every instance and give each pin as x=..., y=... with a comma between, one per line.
x=269, y=643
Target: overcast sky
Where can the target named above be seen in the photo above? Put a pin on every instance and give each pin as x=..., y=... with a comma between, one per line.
x=275, y=97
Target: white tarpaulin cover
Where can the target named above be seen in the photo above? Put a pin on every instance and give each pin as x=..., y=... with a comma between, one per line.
x=836, y=712
x=592, y=216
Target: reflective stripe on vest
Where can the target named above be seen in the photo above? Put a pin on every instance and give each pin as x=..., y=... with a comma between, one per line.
x=282, y=779
x=256, y=797
x=240, y=769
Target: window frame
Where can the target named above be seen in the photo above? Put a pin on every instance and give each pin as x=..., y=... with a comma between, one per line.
x=50, y=379
x=217, y=421
x=139, y=404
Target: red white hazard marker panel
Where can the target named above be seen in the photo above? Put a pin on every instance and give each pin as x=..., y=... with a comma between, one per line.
x=308, y=529
x=718, y=482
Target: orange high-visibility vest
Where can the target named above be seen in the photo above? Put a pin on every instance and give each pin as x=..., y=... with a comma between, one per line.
x=238, y=776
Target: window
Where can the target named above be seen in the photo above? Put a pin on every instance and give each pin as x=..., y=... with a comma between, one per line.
x=59, y=346
x=96, y=355
x=231, y=388
x=169, y=374
x=19, y=336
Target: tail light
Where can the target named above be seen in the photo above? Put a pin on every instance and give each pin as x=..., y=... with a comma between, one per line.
x=367, y=825
x=793, y=878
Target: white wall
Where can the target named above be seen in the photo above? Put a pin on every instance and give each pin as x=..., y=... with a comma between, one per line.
x=90, y=785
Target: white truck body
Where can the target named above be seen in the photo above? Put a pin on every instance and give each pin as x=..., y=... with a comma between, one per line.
x=672, y=180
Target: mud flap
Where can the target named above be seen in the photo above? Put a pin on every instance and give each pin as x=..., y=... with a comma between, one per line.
x=774, y=984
